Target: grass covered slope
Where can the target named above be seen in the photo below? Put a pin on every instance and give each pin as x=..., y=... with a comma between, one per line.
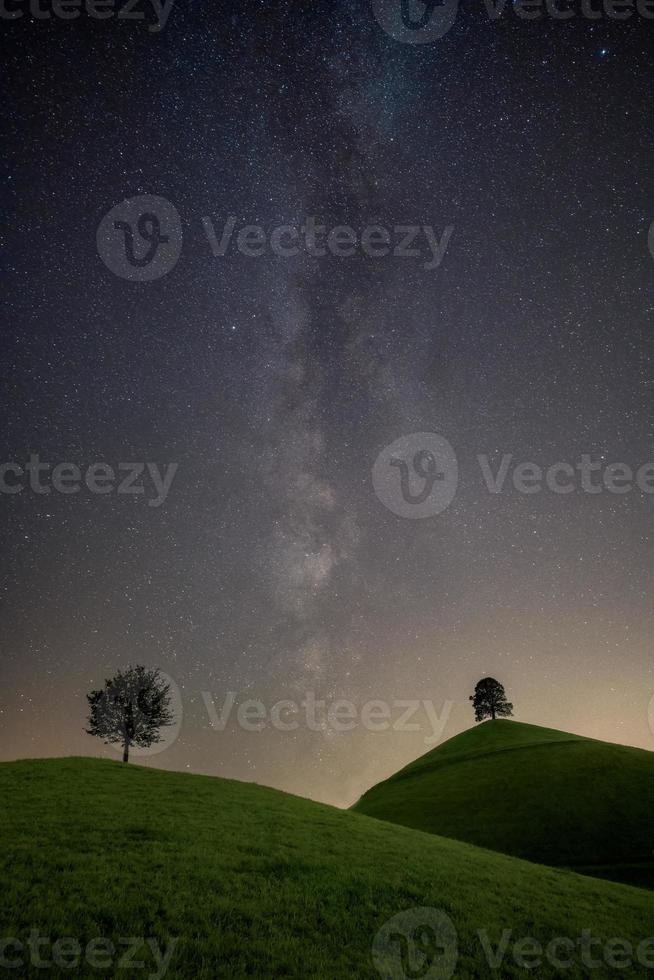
x=253, y=882
x=532, y=792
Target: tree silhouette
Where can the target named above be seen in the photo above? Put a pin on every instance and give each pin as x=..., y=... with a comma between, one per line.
x=489, y=700
x=130, y=709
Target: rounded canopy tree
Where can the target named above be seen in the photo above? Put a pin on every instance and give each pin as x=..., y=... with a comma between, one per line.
x=131, y=708
x=489, y=700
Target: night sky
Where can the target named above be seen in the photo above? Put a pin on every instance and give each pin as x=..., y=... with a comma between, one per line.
x=273, y=568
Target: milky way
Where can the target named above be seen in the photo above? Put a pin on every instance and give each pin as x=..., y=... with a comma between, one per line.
x=272, y=568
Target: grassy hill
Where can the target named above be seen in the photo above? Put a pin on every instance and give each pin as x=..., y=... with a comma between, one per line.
x=532, y=792
x=256, y=883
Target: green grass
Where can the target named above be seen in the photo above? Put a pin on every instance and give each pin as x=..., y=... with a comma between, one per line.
x=532, y=792
x=256, y=883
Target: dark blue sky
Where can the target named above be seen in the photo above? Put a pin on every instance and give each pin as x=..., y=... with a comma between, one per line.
x=272, y=568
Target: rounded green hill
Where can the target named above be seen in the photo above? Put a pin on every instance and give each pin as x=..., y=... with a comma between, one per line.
x=536, y=793
x=234, y=880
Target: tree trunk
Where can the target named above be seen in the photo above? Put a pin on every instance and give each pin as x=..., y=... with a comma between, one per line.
x=126, y=750
x=493, y=712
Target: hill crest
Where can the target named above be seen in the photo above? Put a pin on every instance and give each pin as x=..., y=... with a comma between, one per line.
x=537, y=793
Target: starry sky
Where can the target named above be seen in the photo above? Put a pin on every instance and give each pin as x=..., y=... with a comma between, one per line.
x=272, y=568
